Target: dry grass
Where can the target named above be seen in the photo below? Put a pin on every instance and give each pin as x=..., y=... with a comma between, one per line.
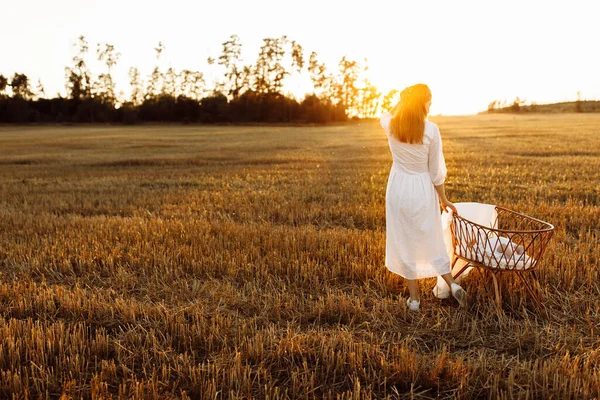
x=247, y=262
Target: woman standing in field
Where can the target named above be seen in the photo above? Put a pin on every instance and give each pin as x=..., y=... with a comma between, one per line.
x=414, y=239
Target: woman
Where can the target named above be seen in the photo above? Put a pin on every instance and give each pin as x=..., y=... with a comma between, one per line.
x=414, y=239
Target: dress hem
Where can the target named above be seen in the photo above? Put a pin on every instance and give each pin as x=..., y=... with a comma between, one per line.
x=430, y=271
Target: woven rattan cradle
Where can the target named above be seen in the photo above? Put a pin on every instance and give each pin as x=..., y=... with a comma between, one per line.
x=520, y=251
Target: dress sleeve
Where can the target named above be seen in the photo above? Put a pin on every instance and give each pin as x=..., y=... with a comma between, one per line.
x=437, y=164
x=385, y=120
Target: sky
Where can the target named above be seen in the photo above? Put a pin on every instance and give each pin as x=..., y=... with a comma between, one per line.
x=468, y=52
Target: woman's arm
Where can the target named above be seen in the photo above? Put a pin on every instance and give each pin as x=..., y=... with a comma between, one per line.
x=437, y=169
x=443, y=200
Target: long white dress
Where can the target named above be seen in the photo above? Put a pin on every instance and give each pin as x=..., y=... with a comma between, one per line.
x=415, y=245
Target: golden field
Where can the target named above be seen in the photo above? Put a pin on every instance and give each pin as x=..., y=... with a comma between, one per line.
x=248, y=262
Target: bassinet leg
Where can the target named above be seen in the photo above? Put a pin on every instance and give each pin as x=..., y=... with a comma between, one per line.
x=529, y=286
x=483, y=274
x=538, y=287
x=459, y=272
x=497, y=291
x=454, y=260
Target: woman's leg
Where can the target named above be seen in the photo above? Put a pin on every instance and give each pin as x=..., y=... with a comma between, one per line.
x=458, y=292
x=413, y=289
x=448, y=278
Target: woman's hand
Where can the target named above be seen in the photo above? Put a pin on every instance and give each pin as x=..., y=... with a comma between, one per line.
x=448, y=205
x=444, y=203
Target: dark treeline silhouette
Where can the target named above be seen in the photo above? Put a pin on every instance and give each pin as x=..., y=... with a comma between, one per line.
x=519, y=105
x=245, y=92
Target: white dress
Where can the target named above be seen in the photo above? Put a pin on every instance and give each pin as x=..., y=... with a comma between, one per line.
x=415, y=245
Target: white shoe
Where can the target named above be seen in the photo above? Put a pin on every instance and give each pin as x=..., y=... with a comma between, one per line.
x=413, y=305
x=459, y=294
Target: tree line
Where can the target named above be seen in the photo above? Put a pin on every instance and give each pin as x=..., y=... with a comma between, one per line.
x=519, y=105
x=245, y=92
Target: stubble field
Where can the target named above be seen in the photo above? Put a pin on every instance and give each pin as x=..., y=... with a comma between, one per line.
x=248, y=262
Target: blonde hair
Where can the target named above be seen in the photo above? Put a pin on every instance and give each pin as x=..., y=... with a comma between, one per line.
x=408, y=123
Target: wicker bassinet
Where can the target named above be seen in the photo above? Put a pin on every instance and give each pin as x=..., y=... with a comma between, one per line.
x=515, y=243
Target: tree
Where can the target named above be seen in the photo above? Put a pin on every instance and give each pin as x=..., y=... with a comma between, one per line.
x=170, y=83
x=185, y=82
x=297, y=56
x=39, y=89
x=78, y=78
x=110, y=56
x=198, y=85
x=159, y=49
x=137, y=86
x=155, y=83
x=20, y=86
x=345, y=88
x=3, y=83
x=269, y=71
x=517, y=104
x=191, y=84
x=369, y=99
x=322, y=81
x=493, y=106
x=235, y=75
